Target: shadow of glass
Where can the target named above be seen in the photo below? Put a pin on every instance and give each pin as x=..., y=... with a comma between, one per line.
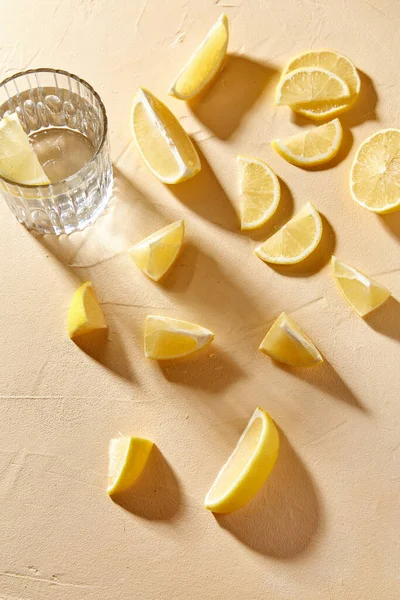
x=238, y=86
x=156, y=495
x=317, y=259
x=211, y=370
x=282, y=215
x=282, y=520
x=106, y=348
x=391, y=223
x=386, y=319
x=205, y=196
x=364, y=108
x=325, y=378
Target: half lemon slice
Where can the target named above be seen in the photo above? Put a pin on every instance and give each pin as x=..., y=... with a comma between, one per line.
x=363, y=293
x=85, y=314
x=166, y=338
x=313, y=147
x=336, y=63
x=163, y=144
x=248, y=467
x=204, y=64
x=310, y=85
x=18, y=161
x=294, y=241
x=287, y=343
x=127, y=457
x=260, y=192
x=156, y=254
x=375, y=174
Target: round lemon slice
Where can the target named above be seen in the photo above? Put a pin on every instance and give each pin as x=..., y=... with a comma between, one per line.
x=84, y=313
x=310, y=85
x=287, y=343
x=248, y=467
x=156, y=254
x=375, y=174
x=363, y=293
x=127, y=457
x=313, y=147
x=204, y=64
x=260, y=192
x=161, y=141
x=294, y=241
x=336, y=63
x=18, y=161
x=166, y=338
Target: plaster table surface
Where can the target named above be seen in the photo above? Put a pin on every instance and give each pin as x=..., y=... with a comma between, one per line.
x=326, y=523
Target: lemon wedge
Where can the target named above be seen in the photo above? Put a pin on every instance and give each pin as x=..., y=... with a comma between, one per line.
x=127, y=457
x=363, y=293
x=336, y=63
x=375, y=174
x=294, y=241
x=156, y=254
x=260, y=192
x=313, y=147
x=18, y=161
x=166, y=338
x=161, y=141
x=248, y=467
x=287, y=343
x=310, y=85
x=84, y=314
x=204, y=64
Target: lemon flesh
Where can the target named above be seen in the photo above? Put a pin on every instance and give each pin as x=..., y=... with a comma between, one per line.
x=156, y=254
x=248, y=467
x=204, y=64
x=166, y=338
x=18, y=161
x=127, y=457
x=363, y=293
x=375, y=174
x=294, y=241
x=84, y=314
x=310, y=85
x=260, y=192
x=285, y=342
x=161, y=141
x=314, y=147
x=336, y=63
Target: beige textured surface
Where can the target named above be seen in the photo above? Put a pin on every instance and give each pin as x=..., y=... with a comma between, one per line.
x=326, y=525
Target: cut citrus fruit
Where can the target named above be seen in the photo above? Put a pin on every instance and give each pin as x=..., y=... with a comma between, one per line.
x=204, y=64
x=336, y=63
x=363, y=293
x=166, y=338
x=375, y=174
x=248, y=467
x=127, y=457
x=260, y=192
x=295, y=240
x=84, y=314
x=287, y=343
x=156, y=254
x=18, y=161
x=310, y=85
x=313, y=147
x=163, y=144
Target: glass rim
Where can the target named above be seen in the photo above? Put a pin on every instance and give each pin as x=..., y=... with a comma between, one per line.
x=103, y=138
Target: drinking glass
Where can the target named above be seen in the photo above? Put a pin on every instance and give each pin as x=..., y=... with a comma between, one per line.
x=67, y=124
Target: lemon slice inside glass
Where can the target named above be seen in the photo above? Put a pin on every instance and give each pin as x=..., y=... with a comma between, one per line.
x=286, y=342
x=127, y=457
x=363, y=293
x=248, y=467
